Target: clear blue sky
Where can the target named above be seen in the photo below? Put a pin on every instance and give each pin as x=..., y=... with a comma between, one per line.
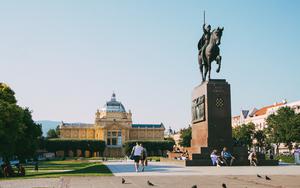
x=64, y=58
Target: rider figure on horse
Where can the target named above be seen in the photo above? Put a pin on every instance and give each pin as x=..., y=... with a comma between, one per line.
x=204, y=41
x=209, y=50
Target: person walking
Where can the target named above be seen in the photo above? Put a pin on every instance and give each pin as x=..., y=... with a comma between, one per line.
x=36, y=166
x=136, y=155
x=144, y=155
x=252, y=158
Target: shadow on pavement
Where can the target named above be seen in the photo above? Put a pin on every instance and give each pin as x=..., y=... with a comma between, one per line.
x=123, y=168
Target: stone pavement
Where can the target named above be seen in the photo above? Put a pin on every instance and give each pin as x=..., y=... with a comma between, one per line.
x=167, y=169
x=159, y=181
x=166, y=175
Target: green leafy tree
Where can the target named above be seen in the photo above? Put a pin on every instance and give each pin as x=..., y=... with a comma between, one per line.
x=11, y=128
x=260, y=138
x=52, y=133
x=29, y=137
x=7, y=94
x=185, y=137
x=244, y=134
x=57, y=131
x=284, y=127
x=18, y=133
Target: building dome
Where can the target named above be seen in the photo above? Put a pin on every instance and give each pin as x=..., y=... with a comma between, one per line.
x=113, y=105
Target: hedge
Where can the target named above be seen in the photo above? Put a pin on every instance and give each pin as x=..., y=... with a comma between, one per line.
x=154, y=148
x=53, y=145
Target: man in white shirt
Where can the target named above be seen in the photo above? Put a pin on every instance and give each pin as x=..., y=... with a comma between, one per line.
x=252, y=158
x=136, y=153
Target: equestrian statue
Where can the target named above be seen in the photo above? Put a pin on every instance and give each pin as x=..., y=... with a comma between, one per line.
x=209, y=50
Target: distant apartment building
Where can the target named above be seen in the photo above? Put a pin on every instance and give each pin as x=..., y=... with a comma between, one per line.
x=259, y=116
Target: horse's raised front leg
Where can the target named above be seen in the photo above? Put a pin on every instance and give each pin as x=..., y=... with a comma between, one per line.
x=218, y=59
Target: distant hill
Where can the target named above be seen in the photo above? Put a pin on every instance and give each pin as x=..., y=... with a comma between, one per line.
x=47, y=124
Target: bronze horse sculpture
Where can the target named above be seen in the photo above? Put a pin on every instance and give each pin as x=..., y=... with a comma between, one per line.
x=211, y=53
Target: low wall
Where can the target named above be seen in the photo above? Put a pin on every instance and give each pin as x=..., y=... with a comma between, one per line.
x=173, y=161
x=173, y=155
x=114, y=152
x=78, y=153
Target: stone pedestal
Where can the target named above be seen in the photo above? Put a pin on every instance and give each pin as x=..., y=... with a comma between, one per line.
x=211, y=121
x=211, y=115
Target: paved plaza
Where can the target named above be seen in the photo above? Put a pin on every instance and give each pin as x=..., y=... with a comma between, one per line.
x=167, y=169
x=171, y=175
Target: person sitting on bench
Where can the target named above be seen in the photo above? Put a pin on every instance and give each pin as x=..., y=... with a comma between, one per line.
x=227, y=157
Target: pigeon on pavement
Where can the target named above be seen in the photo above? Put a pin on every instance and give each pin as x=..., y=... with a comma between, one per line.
x=149, y=183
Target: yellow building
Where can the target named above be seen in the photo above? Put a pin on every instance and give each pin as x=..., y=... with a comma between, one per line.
x=113, y=125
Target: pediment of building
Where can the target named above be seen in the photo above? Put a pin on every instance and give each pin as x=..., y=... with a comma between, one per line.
x=116, y=126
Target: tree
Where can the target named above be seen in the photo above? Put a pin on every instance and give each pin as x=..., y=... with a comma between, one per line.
x=18, y=132
x=284, y=127
x=52, y=133
x=7, y=94
x=244, y=134
x=260, y=138
x=29, y=137
x=57, y=130
x=185, y=137
x=11, y=128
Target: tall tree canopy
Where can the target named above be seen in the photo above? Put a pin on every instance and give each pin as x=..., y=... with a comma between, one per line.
x=185, y=137
x=244, y=134
x=260, y=138
x=7, y=94
x=284, y=126
x=18, y=132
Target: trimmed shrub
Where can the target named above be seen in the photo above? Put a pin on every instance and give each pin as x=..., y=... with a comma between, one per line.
x=53, y=145
x=154, y=148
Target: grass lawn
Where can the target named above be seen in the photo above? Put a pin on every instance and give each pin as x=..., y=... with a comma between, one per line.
x=49, y=169
x=286, y=159
x=153, y=158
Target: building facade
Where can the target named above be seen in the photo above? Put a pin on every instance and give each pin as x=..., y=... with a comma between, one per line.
x=256, y=116
x=113, y=124
x=259, y=117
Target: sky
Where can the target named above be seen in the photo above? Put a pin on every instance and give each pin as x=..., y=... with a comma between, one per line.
x=64, y=59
